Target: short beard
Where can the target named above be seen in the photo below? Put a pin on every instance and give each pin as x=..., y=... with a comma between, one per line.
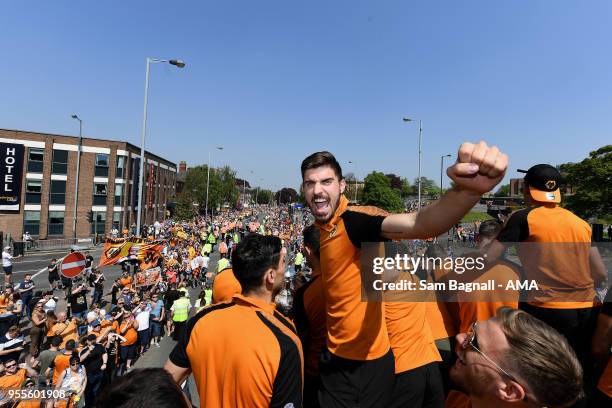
x=334, y=207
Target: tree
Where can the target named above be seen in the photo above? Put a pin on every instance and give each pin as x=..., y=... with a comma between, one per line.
x=221, y=187
x=428, y=186
x=503, y=191
x=405, y=190
x=264, y=196
x=591, y=182
x=287, y=195
x=377, y=191
x=184, y=209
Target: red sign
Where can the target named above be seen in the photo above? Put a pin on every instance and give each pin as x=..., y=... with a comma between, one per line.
x=72, y=265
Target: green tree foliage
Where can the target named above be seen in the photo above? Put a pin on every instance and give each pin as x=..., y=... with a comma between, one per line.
x=591, y=181
x=503, y=191
x=406, y=189
x=222, y=186
x=428, y=187
x=377, y=191
x=264, y=196
x=287, y=195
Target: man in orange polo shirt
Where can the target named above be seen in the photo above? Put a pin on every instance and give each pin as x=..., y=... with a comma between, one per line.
x=254, y=357
x=555, y=251
x=357, y=369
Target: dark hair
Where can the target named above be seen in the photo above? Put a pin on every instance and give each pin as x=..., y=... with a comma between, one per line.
x=74, y=359
x=70, y=345
x=489, y=228
x=312, y=238
x=130, y=391
x=56, y=341
x=320, y=159
x=253, y=256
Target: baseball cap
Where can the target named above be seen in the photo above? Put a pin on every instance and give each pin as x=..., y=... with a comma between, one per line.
x=543, y=181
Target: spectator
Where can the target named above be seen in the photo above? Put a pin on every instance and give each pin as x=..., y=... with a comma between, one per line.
x=61, y=362
x=26, y=290
x=180, y=313
x=54, y=277
x=73, y=379
x=158, y=391
x=7, y=265
x=94, y=358
x=158, y=314
x=45, y=359
x=15, y=374
x=11, y=345
x=128, y=330
x=38, y=329
x=78, y=301
x=97, y=281
x=143, y=316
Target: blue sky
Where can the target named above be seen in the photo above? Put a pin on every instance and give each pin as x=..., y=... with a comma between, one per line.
x=273, y=81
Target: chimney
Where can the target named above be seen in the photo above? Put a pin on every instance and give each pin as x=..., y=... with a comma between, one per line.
x=182, y=166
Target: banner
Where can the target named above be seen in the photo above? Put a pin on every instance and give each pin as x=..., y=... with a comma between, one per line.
x=148, y=277
x=11, y=170
x=120, y=250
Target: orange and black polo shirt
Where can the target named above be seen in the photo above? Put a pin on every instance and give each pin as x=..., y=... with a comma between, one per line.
x=242, y=354
x=555, y=255
x=356, y=330
x=309, y=308
x=483, y=305
x=225, y=286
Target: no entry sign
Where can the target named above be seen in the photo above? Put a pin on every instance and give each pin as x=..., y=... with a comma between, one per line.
x=72, y=265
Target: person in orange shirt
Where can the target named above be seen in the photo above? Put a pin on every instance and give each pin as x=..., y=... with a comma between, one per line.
x=358, y=355
x=64, y=328
x=309, y=308
x=61, y=361
x=515, y=360
x=482, y=305
x=225, y=286
x=126, y=280
x=555, y=251
x=15, y=374
x=254, y=358
x=128, y=329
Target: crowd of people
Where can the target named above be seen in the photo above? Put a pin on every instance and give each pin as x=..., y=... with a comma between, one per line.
x=280, y=320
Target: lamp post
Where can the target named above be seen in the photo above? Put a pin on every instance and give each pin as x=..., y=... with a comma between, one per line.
x=208, y=178
x=176, y=63
x=354, y=175
x=441, y=169
x=76, y=183
x=420, y=138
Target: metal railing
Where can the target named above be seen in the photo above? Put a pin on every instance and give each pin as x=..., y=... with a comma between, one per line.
x=60, y=243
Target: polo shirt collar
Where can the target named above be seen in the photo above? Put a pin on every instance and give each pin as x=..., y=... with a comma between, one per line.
x=331, y=224
x=260, y=304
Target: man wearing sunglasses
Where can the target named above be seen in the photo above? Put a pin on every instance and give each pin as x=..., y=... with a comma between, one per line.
x=516, y=360
x=15, y=374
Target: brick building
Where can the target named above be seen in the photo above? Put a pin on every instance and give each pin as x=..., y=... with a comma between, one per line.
x=108, y=186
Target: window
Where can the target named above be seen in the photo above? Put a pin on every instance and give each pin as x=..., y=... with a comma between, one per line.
x=120, y=166
x=98, y=222
x=99, y=197
x=118, y=193
x=56, y=222
x=117, y=220
x=31, y=222
x=33, y=191
x=101, y=165
x=58, y=192
x=35, y=159
x=60, y=162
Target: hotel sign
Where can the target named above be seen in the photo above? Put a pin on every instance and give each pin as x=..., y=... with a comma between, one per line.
x=11, y=170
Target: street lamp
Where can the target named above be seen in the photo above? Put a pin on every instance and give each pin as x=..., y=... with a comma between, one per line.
x=354, y=175
x=441, y=168
x=420, y=137
x=176, y=63
x=76, y=183
x=208, y=178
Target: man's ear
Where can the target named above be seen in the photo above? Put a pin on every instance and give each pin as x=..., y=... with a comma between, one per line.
x=510, y=391
x=342, y=186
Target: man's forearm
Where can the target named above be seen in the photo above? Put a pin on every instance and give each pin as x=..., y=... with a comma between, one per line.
x=433, y=219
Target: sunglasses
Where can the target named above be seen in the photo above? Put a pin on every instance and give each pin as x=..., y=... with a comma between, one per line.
x=74, y=364
x=472, y=341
